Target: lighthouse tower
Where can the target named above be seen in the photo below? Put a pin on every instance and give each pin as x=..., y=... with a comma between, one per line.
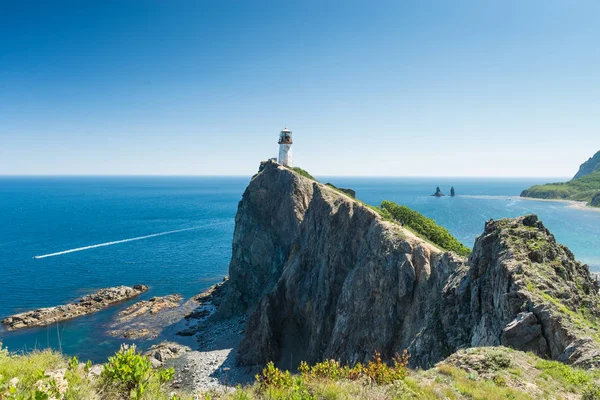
x=285, y=147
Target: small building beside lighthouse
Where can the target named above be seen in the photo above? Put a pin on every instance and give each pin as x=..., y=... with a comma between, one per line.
x=285, y=148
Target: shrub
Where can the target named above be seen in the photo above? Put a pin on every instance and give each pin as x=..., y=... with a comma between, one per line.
x=271, y=376
x=329, y=369
x=380, y=373
x=131, y=374
x=425, y=227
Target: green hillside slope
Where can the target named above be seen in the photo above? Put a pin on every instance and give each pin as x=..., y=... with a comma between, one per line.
x=586, y=188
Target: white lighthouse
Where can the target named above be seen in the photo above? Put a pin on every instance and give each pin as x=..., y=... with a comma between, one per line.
x=285, y=148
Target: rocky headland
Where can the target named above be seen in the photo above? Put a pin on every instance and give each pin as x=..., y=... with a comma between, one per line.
x=324, y=276
x=86, y=305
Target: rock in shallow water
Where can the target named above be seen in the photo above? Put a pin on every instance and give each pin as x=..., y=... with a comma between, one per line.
x=86, y=305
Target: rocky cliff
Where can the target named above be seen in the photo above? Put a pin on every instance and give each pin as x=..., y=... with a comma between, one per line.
x=325, y=276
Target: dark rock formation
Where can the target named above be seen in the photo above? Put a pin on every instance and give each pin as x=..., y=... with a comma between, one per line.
x=591, y=165
x=326, y=277
x=452, y=192
x=86, y=305
x=438, y=192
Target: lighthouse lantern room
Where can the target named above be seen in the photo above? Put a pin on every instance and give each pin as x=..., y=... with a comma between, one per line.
x=285, y=147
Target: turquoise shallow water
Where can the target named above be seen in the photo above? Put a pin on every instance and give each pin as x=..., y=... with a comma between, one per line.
x=41, y=216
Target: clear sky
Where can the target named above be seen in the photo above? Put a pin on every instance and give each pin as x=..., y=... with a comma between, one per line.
x=404, y=88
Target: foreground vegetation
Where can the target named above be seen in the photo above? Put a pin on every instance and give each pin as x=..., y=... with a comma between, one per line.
x=490, y=373
x=47, y=375
x=586, y=188
x=478, y=373
x=425, y=227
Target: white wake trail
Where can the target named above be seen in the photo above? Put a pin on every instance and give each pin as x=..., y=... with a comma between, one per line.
x=126, y=240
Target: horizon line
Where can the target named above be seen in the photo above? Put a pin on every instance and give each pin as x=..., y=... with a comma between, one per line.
x=250, y=175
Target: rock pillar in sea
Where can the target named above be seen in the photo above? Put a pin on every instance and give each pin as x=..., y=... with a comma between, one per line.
x=285, y=148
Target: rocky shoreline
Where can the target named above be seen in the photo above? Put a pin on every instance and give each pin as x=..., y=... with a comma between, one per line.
x=86, y=305
x=146, y=319
x=208, y=363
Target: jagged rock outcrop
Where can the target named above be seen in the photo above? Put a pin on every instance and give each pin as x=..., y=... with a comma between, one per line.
x=591, y=165
x=524, y=290
x=438, y=192
x=325, y=276
x=86, y=305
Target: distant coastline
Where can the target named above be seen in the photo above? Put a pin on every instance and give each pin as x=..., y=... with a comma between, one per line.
x=579, y=205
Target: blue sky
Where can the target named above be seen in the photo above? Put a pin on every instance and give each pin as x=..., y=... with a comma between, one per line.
x=401, y=88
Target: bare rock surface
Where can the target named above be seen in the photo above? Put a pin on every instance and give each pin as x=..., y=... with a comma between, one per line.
x=146, y=319
x=324, y=276
x=86, y=305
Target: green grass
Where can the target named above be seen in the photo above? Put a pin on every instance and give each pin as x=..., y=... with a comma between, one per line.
x=425, y=227
x=303, y=173
x=585, y=189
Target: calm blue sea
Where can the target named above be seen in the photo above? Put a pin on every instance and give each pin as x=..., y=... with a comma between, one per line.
x=42, y=216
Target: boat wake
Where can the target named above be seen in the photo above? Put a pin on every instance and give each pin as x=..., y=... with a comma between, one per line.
x=127, y=240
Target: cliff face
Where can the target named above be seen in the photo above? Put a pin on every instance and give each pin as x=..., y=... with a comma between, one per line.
x=522, y=289
x=591, y=165
x=326, y=277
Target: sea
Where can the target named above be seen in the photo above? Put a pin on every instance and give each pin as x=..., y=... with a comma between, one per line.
x=64, y=237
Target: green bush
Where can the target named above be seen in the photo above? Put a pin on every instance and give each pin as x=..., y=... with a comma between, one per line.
x=131, y=374
x=271, y=376
x=425, y=227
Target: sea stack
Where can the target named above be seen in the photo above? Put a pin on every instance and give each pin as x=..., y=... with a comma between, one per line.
x=438, y=192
